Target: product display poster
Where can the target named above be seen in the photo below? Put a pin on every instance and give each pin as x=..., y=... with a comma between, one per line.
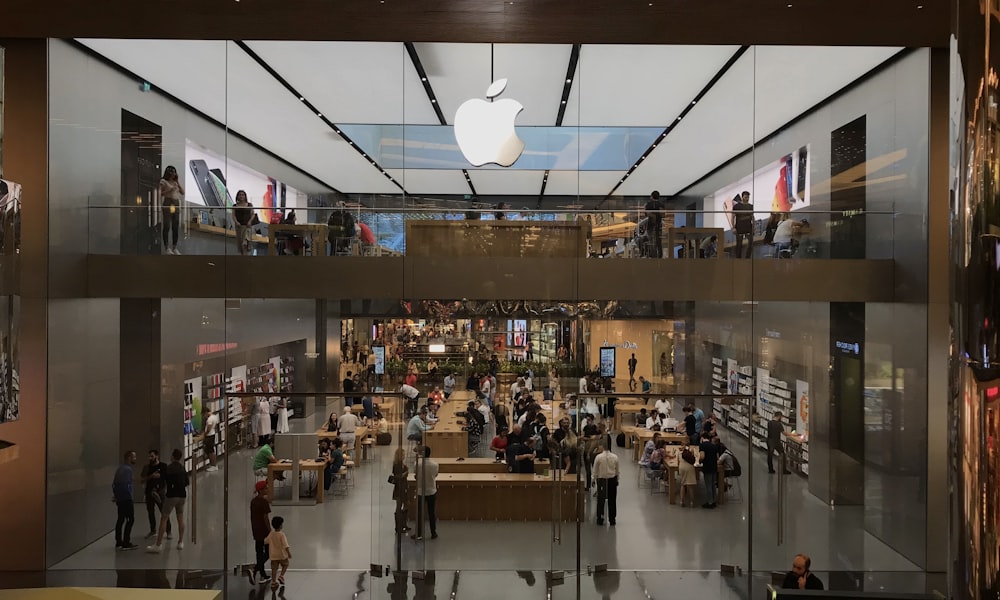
x=763, y=377
x=379, y=352
x=276, y=372
x=607, y=362
x=732, y=377
x=195, y=385
x=801, y=407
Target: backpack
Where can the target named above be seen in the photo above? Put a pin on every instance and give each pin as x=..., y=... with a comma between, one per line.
x=737, y=470
x=620, y=440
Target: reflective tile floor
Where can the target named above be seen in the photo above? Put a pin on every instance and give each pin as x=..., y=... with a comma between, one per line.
x=656, y=548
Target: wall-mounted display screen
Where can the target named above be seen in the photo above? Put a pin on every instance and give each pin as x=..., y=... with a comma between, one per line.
x=379, y=352
x=607, y=362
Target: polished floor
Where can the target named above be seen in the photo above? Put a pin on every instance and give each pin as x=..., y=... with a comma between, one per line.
x=655, y=547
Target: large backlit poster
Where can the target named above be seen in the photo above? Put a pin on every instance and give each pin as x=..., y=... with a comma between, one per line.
x=802, y=407
x=379, y=352
x=780, y=186
x=607, y=361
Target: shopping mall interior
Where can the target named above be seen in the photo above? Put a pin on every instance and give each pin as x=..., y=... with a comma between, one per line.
x=517, y=206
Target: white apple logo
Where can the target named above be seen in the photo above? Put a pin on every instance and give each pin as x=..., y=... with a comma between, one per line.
x=485, y=130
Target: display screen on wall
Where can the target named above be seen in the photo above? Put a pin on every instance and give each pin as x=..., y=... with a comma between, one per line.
x=781, y=186
x=607, y=361
x=379, y=352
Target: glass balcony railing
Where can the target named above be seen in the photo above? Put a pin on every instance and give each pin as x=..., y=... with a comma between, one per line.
x=636, y=234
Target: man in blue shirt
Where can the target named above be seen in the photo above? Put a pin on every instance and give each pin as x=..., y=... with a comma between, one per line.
x=122, y=490
x=417, y=426
x=646, y=385
x=699, y=418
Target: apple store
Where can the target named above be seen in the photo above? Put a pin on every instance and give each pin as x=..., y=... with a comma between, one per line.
x=240, y=242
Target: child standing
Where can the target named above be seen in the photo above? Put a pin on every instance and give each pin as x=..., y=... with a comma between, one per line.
x=279, y=551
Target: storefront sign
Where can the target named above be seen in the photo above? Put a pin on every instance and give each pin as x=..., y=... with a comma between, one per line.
x=848, y=347
x=627, y=345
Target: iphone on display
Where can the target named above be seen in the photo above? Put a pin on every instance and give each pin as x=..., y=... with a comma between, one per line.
x=203, y=177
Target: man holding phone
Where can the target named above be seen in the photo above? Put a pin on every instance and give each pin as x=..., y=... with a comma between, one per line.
x=800, y=577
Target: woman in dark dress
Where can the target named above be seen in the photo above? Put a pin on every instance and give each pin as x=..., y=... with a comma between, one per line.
x=399, y=474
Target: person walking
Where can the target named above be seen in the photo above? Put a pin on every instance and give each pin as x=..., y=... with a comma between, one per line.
x=121, y=488
x=632, y=363
x=654, y=225
x=211, y=420
x=347, y=424
x=427, y=472
x=280, y=552
x=260, y=508
x=176, y=495
x=775, y=431
x=154, y=477
x=606, y=473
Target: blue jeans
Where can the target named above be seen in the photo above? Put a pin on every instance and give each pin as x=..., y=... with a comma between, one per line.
x=711, y=485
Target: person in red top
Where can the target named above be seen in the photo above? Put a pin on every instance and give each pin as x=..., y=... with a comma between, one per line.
x=499, y=445
x=260, y=525
x=411, y=379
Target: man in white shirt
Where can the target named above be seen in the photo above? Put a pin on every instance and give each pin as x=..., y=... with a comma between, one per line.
x=485, y=386
x=449, y=385
x=515, y=389
x=346, y=425
x=606, y=473
x=411, y=394
x=211, y=432
x=662, y=406
x=783, y=234
x=426, y=474
x=654, y=419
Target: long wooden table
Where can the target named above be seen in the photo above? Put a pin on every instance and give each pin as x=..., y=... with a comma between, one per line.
x=500, y=497
x=359, y=434
x=447, y=439
x=621, y=409
x=304, y=465
x=482, y=465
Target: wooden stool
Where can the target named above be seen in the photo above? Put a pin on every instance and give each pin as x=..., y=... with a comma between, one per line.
x=349, y=475
x=340, y=482
x=367, y=453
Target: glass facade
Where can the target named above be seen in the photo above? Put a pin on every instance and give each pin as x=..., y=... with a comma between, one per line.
x=827, y=324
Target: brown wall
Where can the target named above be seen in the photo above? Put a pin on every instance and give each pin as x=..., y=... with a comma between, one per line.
x=22, y=482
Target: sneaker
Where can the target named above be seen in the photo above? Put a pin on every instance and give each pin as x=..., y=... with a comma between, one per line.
x=129, y=546
x=253, y=577
x=154, y=549
x=180, y=545
x=212, y=468
x=265, y=579
x=434, y=536
x=417, y=538
x=177, y=252
x=281, y=580
x=600, y=521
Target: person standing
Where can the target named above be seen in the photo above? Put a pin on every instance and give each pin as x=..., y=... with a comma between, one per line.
x=171, y=194
x=743, y=216
x=260, y=508
x=242, y=214
x=606, y=473
x=427, y=472
x=211, y=420
x=346, y=426
x=632, y=364
x=272, y=410
x=121, y=488
x=800, y=577
x=176, y=495
x=709, y=450
x=449, y=385
x=154, y=476
x=775, y=432
x=348, y=387
x=399, y=474
x=282, y=415
x=654, y=220
x=263, y=421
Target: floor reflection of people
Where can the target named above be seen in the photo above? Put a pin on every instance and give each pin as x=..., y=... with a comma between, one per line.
x=397, y=587
x=607, y=583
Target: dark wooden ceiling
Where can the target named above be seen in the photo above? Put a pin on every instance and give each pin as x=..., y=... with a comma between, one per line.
x=803, y=22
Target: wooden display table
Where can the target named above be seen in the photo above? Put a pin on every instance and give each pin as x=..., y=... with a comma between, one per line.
x=482, y=465
x=500, y=497
x=636, y=438
x=691, y=237
x=623, y=408
x=304, y=465
x=447, y=439
x=359, y=434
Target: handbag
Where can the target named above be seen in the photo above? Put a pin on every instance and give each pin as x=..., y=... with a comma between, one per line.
x=392, y=479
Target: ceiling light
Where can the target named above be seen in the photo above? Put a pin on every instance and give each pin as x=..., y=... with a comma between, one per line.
x=693, y=102
x=423, y=79
x=302, y=98
x=564, y=102
x=569, y=81
x=433, y=101
x=789, y=6
x=654, y=145
x=320, y=115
